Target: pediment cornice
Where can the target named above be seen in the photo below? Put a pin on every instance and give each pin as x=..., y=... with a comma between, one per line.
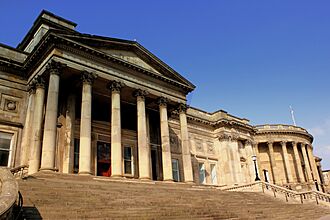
x=52, y=40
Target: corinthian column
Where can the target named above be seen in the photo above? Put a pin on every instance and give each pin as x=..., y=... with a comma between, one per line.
x=26, y=138
x=116, y=149
x=313, y=164
x=85, y=147
x=306, y=162
x=165, y=138
x=143, y=145
x=298, y=162
x=286, y=162
x=34, y=161
x=186, y=155
x=49, y=141
x=272, y=161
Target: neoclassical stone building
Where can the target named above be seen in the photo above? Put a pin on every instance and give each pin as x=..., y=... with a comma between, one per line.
x=86, y=104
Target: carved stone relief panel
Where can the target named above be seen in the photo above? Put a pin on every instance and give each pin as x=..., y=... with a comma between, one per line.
x=10, y=104
x=175, y=142
x=210, y=148
x=199, y=145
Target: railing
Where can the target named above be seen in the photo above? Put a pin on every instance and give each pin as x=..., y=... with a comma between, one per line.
x=284, y=193
x=280, y=127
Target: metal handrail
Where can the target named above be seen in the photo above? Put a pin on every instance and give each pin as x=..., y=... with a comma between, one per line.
x=19, y=206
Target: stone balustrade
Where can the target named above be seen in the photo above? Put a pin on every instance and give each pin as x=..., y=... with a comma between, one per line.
x=8, y=195
x=283, y=193
x=280, y=127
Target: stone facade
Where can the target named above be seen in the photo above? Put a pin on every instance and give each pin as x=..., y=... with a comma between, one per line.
x=79, y=103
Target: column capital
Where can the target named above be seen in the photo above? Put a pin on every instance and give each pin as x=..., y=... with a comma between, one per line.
x=38, y=82
x=182, y=108
x=88, y=77
x=248, y=142
x=31, y=88
x=270, y=143
x=54, y=67
x=140, y=93
x=162, y=101
x=115, y=86
x=283, y=143
x=294, y=143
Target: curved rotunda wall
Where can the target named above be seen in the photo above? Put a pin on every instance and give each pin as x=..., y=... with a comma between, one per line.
x=285, y=155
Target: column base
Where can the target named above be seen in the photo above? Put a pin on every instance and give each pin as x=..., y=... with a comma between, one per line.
x=168, y=180
x=189, y=182
x=83, y=173
x=116, y=176
x=48, y=170
x=145, y=178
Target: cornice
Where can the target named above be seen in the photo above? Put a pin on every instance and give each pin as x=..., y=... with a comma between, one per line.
x=281, y=132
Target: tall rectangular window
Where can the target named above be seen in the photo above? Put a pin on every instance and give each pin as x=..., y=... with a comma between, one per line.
x=175, y=170
x=5, y=149
x=76, y=156
x=213, y=174
x=128, y=160
x=202, y=179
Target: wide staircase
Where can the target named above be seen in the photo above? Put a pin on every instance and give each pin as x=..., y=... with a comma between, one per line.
x=59, y=196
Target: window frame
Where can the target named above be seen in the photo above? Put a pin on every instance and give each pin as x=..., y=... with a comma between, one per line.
x=131, y=160
x=177, y=170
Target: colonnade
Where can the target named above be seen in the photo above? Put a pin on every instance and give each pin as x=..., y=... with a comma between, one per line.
x=308, y=162
x=43, y=153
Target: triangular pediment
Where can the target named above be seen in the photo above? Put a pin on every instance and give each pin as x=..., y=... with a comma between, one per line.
x=130, y=57
x=130, y=52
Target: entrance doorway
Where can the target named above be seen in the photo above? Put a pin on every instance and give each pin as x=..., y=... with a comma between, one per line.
x=155, y=163
x=103, y=159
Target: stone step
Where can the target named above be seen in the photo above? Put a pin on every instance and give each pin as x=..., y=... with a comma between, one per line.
x=57, y=196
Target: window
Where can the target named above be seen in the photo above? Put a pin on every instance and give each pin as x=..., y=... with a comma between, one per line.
x=213, y=174
x=76, y=156
x=5, y=149
x=175, y=170
x=128, y=161
x=202, y=179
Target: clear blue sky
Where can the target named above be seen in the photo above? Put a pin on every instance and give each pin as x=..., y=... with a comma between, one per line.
x=250, y=58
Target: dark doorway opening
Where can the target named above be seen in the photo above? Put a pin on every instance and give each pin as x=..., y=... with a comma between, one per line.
x=103, y=159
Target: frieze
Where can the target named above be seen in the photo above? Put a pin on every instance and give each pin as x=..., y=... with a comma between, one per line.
x=228, y=137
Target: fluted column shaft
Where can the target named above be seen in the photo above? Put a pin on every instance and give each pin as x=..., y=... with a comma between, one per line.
x=165, y=139
x=272, y=161
x=27, y=137
x=85, y=148
x=313, y=164
x=49, y=139
x=298, y=162
x=116, y=148
x=186, y=155
x=143, y=145
x=35, y=151
x=286, y=162
x=306, y=162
